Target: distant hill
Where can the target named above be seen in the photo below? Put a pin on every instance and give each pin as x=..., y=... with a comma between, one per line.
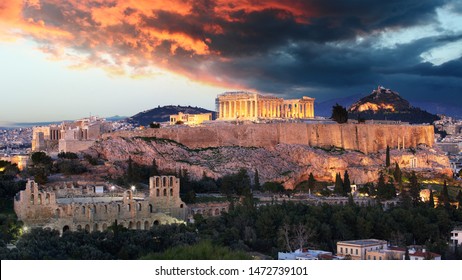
x=324, y=109
x=385, y=104
x=162, y=114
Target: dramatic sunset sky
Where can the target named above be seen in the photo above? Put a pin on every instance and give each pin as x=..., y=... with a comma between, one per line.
x=65, y=59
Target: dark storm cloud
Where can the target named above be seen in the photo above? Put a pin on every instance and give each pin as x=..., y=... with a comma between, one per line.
x=290, y=48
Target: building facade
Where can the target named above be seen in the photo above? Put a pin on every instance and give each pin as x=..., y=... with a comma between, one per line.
x=456, y=237
x=357, y=249
x=244, y=105
x=69, y=136
x=190, y=119
x=71, y=207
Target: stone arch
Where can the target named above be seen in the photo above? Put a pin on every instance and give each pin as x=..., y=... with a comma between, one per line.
x=146, y=225
x=156, y=223
x=96, y=227
x=171, y=182
x=164, y=181
x=131, y=225
x=118, y=208
x=217, y=212
x=83, y=210
x=165, y=192
x=104, y=226
x=47, y=199
x=181, y=205
x=129, y=207
x=66, y=228
x=138, y=225
x=58, y=212
x=39, y=199
x=87, y=228
x=32, y=199
x=157, y=193
x=157, y=182
x=139, y=207
x=79, y=227
x=150, y=208
x=171, y=192
x=94, y=209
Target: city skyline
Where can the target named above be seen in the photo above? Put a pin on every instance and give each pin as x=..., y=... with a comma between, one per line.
x=68, y=59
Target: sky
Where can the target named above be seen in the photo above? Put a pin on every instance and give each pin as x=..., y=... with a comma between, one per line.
x=67, y=59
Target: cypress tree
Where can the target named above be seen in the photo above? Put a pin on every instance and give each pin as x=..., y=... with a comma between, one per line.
x=346, y=184
x=381, y=188
x=130, y=169
x=154, y=168
x=398, y=175
x=445, y=195
x=431, y=201
x=387, y=157
x=256, y=184
x=311, y=181
x=338, y=189
x=414, y=190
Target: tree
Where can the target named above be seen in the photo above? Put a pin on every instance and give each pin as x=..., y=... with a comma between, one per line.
x=387, y=157
x=311, y=182
x=414, y=189
x=346, y=184
x=431, y=200
x=445, y=196
x=256, y=181
x=154, y=125
x=338, y=187
x=154, y=168
x=339, y=114
x=398, y=175
x=130, y=169
x=382, y=188
x=406, y=255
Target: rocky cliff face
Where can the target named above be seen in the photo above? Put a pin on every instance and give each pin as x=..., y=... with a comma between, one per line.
x=287, y=163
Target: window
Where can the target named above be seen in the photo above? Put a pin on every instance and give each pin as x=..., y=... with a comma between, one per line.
x=171, y=192
x=165, y=192
x=375, y=258
x=380, y=258
x=341, y=249
x=356, y=251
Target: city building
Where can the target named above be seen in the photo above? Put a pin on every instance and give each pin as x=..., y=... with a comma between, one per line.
x=190, y=119
x=306, y=254
x=456, y=236
x=357, y=249
x=96, y=207
x=242, y=105
x=69, y=136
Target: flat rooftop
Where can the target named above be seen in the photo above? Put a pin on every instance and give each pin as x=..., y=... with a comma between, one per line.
x=363, y=242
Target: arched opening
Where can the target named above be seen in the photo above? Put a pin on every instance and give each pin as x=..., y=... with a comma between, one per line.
x=223, y=210
x=32, y=199
x=157, y=182
x=164, y=182
x=139, y=206
x=39, y=199
x=94, y=209
x=165, y=192
x=105, y=209
x=66, y=228
x=57, y=213
x=129, y=207
x=146, y=225
x=83, y=210
x=87, y=228
x=150, y=208
x=47, y=199
x=171, y=181
x=79, y=227
x=156, y=223
x=138, y=225
x=171, y=192
x=131, y=225
x=217, y=212
x=118, y=208
x=95, y=227
x=181, y=205
x=157, y=192
x=104, y=227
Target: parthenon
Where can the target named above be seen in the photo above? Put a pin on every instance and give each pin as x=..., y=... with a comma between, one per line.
x=244, y=105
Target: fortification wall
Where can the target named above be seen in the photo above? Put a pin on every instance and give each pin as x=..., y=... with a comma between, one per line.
x=366, y=138
x=74, y=146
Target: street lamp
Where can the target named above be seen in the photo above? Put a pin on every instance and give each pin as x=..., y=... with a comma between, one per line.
x=133, y=189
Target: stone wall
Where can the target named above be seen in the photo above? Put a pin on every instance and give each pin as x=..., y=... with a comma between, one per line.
x=74, y=146
x=366, y=138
